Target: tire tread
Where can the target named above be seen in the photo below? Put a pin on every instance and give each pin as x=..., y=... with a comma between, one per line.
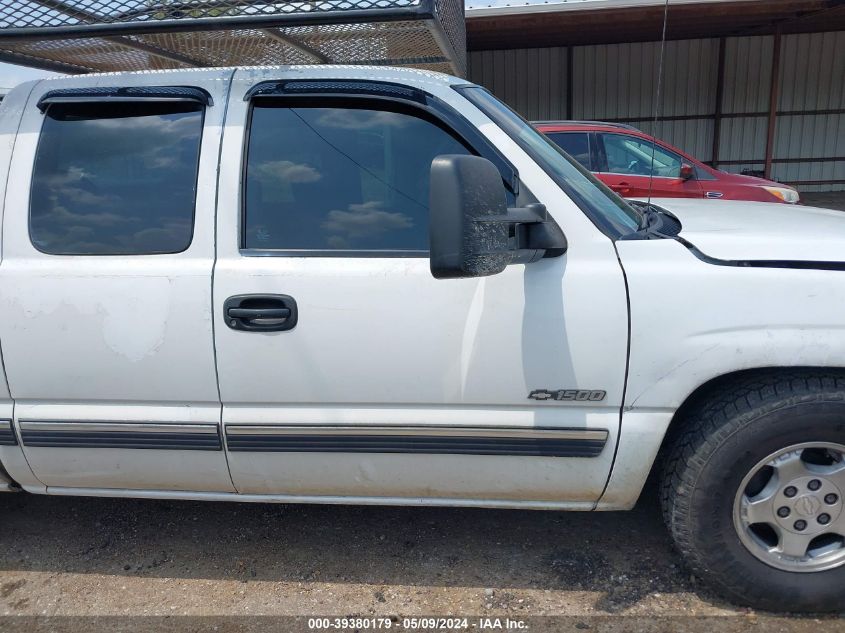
x=699, y=434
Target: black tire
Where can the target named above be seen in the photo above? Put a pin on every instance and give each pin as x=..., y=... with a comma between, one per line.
x=716, y=444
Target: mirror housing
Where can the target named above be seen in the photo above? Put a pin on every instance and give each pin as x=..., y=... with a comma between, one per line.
x=687, y=171
x=472, y=231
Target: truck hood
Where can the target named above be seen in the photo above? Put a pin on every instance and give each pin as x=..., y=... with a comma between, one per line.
x=737, y=230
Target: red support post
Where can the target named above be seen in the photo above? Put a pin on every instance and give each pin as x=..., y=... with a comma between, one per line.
x=717, y=115
x=773, y=105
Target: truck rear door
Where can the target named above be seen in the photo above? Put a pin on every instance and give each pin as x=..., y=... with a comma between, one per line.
x=105, y=314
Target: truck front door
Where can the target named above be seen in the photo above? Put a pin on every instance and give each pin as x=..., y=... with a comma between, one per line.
x=345, y=368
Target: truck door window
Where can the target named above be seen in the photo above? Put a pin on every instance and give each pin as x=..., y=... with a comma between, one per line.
x=116, y=179
x=340, y=179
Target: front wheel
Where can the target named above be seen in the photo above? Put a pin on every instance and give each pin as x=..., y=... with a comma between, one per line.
x=753, y=491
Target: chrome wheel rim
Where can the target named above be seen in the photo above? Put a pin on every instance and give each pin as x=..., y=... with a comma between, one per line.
x=788, y=511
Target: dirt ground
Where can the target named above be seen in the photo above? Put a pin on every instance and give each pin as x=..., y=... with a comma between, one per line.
x=103, y=557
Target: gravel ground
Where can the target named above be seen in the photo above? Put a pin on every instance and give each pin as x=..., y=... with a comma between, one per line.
x=102, y=557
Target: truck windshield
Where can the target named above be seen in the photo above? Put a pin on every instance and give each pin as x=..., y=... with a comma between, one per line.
x=610, y=213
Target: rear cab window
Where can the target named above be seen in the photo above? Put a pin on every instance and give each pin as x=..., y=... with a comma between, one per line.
x=116, y=178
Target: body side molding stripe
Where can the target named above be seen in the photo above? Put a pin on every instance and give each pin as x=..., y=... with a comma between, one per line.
x=548, y=442
x=7, y=434
x=149, y=435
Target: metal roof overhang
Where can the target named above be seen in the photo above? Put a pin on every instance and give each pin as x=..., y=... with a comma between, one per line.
x=79, y=36
x=503, y=24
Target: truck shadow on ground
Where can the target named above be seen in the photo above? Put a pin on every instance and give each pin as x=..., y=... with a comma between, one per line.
x=624, y=556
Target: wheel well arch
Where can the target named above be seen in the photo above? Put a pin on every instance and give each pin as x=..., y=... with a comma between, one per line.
x=699, y=396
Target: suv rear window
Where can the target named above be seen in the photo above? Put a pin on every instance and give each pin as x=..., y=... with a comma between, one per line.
x=576, y=144
x=116, y=179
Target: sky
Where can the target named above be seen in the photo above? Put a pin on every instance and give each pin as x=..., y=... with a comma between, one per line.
x=11, y=76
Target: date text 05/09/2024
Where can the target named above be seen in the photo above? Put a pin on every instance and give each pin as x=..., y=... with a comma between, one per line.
x=416, y=623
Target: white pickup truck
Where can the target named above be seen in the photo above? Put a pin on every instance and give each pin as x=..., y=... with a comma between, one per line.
x=371, y=285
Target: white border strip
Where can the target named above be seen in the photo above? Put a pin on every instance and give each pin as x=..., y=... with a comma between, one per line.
x=506, y=7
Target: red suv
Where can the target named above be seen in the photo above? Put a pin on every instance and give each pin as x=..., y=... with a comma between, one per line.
x=621, y=157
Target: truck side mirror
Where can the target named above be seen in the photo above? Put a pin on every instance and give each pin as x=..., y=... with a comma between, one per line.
x=687, y=171
x=472, y=231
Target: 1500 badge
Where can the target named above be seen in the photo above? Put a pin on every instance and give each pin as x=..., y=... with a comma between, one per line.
x=568, y=395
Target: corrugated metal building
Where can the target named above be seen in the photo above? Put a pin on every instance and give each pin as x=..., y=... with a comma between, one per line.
x=718, y=95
